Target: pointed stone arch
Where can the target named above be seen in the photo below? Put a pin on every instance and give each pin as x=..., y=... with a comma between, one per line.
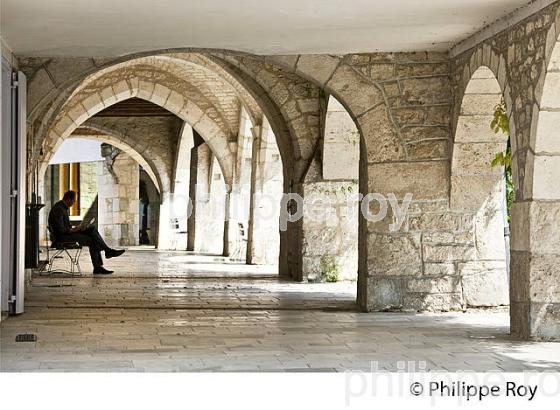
x=85, y=104
x=478, y=194
x=126, y=144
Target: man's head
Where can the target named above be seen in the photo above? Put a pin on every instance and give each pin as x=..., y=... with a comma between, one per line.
x=69, y=198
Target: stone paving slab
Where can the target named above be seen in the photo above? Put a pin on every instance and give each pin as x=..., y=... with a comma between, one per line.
x=162, y=321
x=144, y=340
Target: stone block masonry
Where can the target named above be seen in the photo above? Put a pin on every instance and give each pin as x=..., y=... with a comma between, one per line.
x=118, y=203
x=407, y=108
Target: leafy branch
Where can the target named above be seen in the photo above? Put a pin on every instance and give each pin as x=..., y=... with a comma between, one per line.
x=500, y=123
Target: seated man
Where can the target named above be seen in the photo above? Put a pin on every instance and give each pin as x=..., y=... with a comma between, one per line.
x=62, y=231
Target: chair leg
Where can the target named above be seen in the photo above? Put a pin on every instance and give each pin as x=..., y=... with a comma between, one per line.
x=52, y=258
x=77, y=261
x=74, y=261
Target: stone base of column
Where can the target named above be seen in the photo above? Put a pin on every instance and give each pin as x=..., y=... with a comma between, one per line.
x=535, y=321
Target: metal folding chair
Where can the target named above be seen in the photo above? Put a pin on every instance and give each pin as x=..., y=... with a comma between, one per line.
x=56, y=251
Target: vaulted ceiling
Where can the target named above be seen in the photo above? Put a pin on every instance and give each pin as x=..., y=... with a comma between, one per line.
x=135, y=107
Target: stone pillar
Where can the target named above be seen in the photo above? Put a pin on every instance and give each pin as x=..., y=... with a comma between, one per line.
x=535, y=257
x=154, y=200
x=118, y=201
x=263, y=243
x=239, y=208
x=181, y=182
x=207, y=221
x=227, y=234
x=193, y=178
x=166, y=225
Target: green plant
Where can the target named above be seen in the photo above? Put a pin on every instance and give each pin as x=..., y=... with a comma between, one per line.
x=501, y=119
x=500, y=123
x=330, y=270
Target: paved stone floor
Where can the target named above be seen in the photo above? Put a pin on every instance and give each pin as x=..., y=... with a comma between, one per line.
x=166, y=311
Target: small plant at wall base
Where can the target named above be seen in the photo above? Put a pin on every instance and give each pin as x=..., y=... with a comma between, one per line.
x=330, y=270
x=500, y=123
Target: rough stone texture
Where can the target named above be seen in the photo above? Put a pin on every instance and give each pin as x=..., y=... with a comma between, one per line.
x=263, y=242
x=118, y=206
x=330, y=221
x=524, y=59
x=408, y=107
x=478, y=190
x=88, y=186
x=153, y=139
x=209, y=203
x=330, y=228
x=341, y=145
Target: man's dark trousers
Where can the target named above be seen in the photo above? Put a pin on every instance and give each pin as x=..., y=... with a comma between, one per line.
x=89, y=237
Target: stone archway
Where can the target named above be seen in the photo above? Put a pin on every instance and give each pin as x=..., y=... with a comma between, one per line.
x=105, y=187
x=95, y=97
x=158, y=176
x=393, y=100
x=332, y=242
x=83, y=105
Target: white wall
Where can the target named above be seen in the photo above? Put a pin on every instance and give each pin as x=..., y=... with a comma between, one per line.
x=77, y=150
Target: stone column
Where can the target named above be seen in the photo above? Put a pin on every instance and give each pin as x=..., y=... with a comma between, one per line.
x=535, y=257
x=240, y=191
x=206, y=224
x=166, y=226
x=193, y=178
x=227, y=214
x=263, y=244
x=535, y=222
x=181, y=181
x=118, y=201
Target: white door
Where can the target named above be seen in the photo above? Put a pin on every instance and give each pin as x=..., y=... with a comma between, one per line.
x=13, y=189
x=5, y=163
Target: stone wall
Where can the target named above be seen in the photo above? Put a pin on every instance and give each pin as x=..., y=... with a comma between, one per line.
x=118, y=208
x=330, y=230
x=341, y=145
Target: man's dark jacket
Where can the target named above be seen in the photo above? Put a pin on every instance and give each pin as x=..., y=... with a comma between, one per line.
x=59, y=221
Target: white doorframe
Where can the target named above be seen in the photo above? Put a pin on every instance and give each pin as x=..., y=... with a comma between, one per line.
x=20, y=136
x=13, y=189
x=5, y=164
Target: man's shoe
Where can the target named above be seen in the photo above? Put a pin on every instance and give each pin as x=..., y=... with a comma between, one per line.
x=102, y=271
x=113, y=253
